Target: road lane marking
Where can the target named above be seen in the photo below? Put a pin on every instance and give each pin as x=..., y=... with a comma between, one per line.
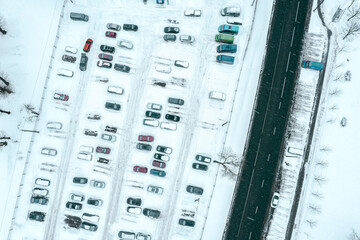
x=274, y=131
x=262, y=184
x=257, y=152
x=288, y=60
x=297, y=10
x=268, y=157
x=279, y=105
x=256, y=209
x=282, y=91
x=250, y=235
x=292, y=38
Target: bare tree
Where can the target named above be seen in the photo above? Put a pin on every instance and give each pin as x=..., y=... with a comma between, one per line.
x=4, y=77
x=317, y=194
x=2, y=25
x=5, y=90
x=331, y=120
x=319, y=179
x=312, y=223
x=337, y=77
x=352, y=29
x=334, y=107
x=325, y=149
x=31, y=113
x=322, y=163
x=315, y=208
x=354, y=12
x=3, y=144
x=73, y=221
x=230, y=162
x=354, y=235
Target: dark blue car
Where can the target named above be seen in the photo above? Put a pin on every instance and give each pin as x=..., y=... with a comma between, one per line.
x=227, y=48
x=225, y=59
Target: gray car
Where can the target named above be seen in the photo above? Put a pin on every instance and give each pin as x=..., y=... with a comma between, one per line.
x=151, y=213
x=37, y=216
x=79, y=16
x=170, y=37
x=113, y=106
x=177, y=101
x=83, y=62
x=113, y=26
x=39, y=200
x=186, y=222
x=194, y=189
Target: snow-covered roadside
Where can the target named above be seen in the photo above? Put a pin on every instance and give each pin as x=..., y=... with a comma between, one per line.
x=25, y=54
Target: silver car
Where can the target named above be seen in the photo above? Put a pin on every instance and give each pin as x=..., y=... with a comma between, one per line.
x=187, y=39
x=113, y=26
x=108, y=137
x=97, y=184
x=125, y=44
x=155, y=189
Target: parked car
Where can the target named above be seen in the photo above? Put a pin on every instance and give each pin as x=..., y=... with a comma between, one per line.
x=151, y=122
x=171, y=30
x=154, y=106
x=110, y=129
x=134, y=201
x=130, y=27
x=39, y=200
x=155, y=189
x=172, y=117
x=90, y=217
x=125, y=44
x=110, y=34
x=106, y=48
x=199, y=166
x=224, y=38
x=113, y=26
x=202, y=158
x=95, y=202
x=108, y=137
x=182, y=64
x=97, y=184
x=70, y=49
x=41, y=192
x=126, y=235
x=77, y=197
x=37, y=216
x=103, y=160
x=177, y=101
x=84, y=156
x=187, y=39
x=89, y=132
x=230, y=11
x=54, y=125
x=275, y=200
x=152, y=114
x=68, y=58
x=158, y=164
x=161, y=157
x=195, y=190
x=140, y=169
x=121, y=68
x=144, y=146
x=163, y=68
x=104, y=56
x=134, y=210
x=65, y=72
x=170, y=37
x=42, y=182
x=217, y=95
x=79, y=16
x=80, y=180
x=313, y=65
x=225, y=59
x=112, y=106
x=158, y=173
x=49, y=151
x=74, y=205
x=89, y=226
x=61, y=97
x=104, y=64
x=143, y=236
x=186, y=222
x=88, y=44
x=146, y=138
x=163, y=149
x=93, y=116
x=151, y=213
x=229, y=29
x=168, y=126
x=192, y=13
x=227, y=48
x=84, y=148
x=83, y=62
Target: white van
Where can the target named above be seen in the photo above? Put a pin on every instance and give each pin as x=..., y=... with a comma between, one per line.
x=217, y=95
x=151, y=122
x=115, y=90
x=168, y=126
x=84, y=156
x=54, y=125
x=84, y=148
x=234, y=20
x=65, y=72
x=90, y=217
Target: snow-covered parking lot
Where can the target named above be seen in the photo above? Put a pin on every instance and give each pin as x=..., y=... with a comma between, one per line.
x=201, y=129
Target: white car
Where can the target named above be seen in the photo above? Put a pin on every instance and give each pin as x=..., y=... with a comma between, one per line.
x=108, y=137
x=275, y=200
x=77, y=197
x=125, y=44
x=163, y=68
x=182, y=64
x=42, y=182
x=168, y=126
x=155, y=189
x=154, y=106
x=134, y=210
x=72, y=50
x=187, y=39
x=54, y=125
x=40, y=192
x=192, y=13
x=90, y=217
x=48, y=151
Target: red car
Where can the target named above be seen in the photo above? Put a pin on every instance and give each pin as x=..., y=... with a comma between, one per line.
x=146, y=138
x=158, y=164
x=104, y=64
x=110, y=34
x=60, y=96
x=104, y=56
x=104, y=150
x=140, y=169
x=88, y=45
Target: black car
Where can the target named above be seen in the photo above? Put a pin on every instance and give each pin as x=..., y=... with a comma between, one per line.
x=39, y=200
x=74, y=205
x=103, y=160
x=186, y=222
x=112, y=106
x=68, y=58
x=152, y=114
x=90, y=132
x=172, y=117
x=151, y=213
x=111, y=129
x=195, y=190
x=94, y=202
x=89, y=226
x=121, y=68
x=134, y=201
x=37, y=216
x=171, y=30
x=80, y=180
x=130, y=27
x=164, y=149
x=199, y=166
x=170, y=37
x=177, y=101
x=83, y=62
x=106, y=48
x=144, y=146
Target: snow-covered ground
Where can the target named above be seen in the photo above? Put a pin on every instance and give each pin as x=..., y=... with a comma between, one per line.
x=201, y=130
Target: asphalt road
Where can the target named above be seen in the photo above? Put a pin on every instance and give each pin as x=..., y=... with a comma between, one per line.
x=256, y=183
